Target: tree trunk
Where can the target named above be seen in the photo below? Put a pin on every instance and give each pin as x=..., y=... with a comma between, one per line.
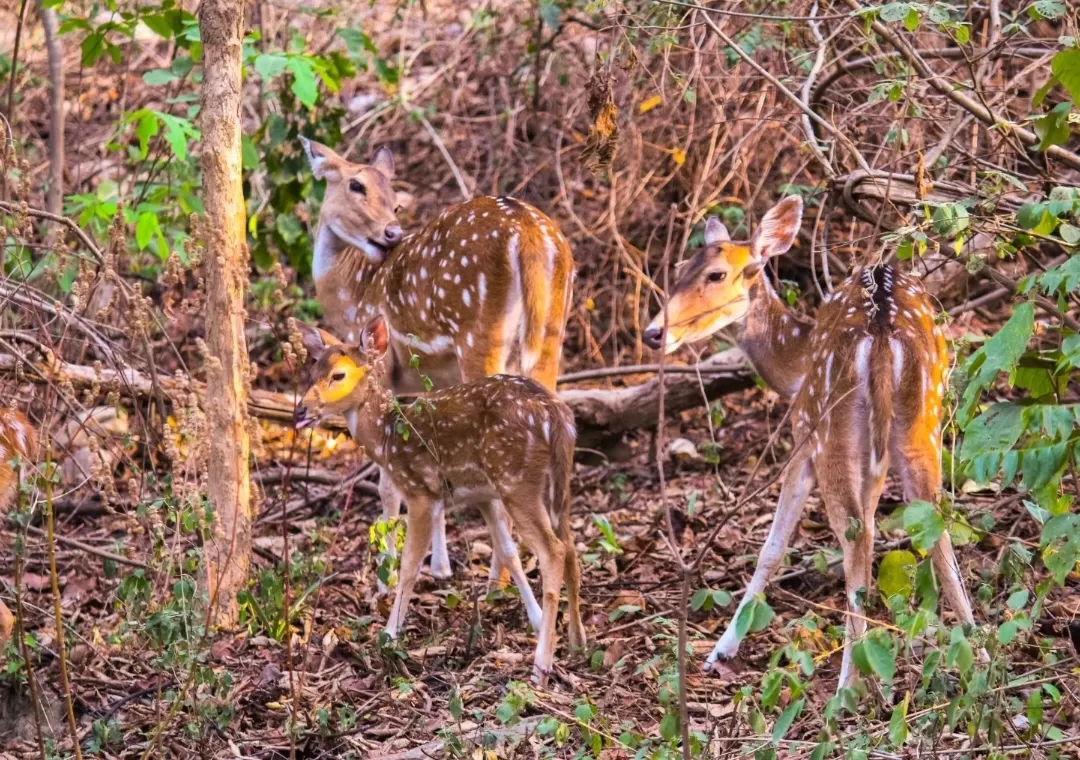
x=54, y=198
x=228, y=552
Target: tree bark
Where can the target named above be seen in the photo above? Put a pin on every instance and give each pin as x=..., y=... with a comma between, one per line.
x=227, y=554
x=54, y=199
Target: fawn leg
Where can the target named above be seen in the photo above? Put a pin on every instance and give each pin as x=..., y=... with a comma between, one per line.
x=573, y=593
x=417, y=538
x=842, y=492
x=440, y=556
x=797, y=483
x=391, y=507
x=532, y=522
x=505, y=554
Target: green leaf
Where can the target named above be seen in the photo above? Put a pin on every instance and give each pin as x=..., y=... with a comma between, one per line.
x=146, y=127
x=269, y=65
x=783, y=723
x=951, y=219
x=248, y=155
x=960, y=653
x=898, y=732
x=923, y=522
x=93, y=47
x=896, y=573
x=1018, y=599
x=763, y=615
x=1050, y=9
x=995, y=431
x=549, y=14
x=999, y=354
x=1066, y=69
x=1053, y=127
x=697, y=601
x=911, y=20
x=1069, y=233
x=1007, y=632
x=146, y=226
x=177, y=133
x=669, y=726
x=877, y=647
x=1065, y=277
x=156, y=77
x=894, y=11
x=304, y=85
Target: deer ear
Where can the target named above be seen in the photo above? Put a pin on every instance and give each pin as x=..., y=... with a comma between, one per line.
x=314, y=339
x=325, y=163
x=753, y=269
x=384, y=161
x=779, y=228
x=374, y=339
x=715, y=231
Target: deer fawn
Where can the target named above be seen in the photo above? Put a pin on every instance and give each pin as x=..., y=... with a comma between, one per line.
x=482, y=290
x=18, y=441
x=500, y=442
x=867, y=381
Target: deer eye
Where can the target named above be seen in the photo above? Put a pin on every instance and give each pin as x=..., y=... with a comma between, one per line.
x=356, y=187
x=717, y=276
x=337, y=377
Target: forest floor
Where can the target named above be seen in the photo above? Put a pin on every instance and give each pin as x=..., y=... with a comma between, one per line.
x=461, y=675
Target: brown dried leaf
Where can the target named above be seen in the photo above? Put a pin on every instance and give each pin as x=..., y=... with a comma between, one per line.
x=599, y=152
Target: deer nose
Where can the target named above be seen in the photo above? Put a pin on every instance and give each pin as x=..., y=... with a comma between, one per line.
x=392, y=233
x=652, y=336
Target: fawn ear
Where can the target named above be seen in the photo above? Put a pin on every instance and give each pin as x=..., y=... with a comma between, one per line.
x=374, y=339
x=314, y=339
x=779, y=228
x=383, y=160
x=715, y=231
x=325, y=163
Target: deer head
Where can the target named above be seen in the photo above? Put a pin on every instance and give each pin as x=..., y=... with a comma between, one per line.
x=713, y=289
x=360, y=206
x=344, y=376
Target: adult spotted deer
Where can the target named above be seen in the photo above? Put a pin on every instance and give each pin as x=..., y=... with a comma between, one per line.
x=501, y=442
x=18, y=445
x=483, y=289
x=866, y=381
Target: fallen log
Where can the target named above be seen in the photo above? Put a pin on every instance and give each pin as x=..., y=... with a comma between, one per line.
x=601, y=413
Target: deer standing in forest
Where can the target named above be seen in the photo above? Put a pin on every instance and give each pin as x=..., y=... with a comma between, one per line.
x=503, y=443
x=18, y=441
x=866, y=380
x=484, y=289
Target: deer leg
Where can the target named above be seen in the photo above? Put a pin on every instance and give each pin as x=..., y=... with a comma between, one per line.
x=572, y=572
x=504, y=552
x=417, y=538
x=440, y=555
x=797, y=483
x=391, y=507
x=500, y=573
x=531, y=520
x=7, y=623
x=922, y=480
x=842, y=494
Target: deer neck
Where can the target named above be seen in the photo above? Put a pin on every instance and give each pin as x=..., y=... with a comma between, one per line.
x=775, y=339
x=346, y=282
x=371, y=423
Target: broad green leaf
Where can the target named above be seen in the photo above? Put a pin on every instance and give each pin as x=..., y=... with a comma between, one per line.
x=146, y=127
x=177, y=133
x=896, y=573
x=697, y=601
x=960, y=653
x=1061, y=545
x=269, y=65
x=146, y=226
x=248, y=155
x=1050, y=9
x=912, y=19
x=93, y=47
x=995, y=431
x=1053, y=127
x=999, y=354
x=879, y=655
x=1042, y=463
x=304, y=85
x=1069, y=233
x=923, y=522
x=1018, y=599
x=894, y=11
x=898, y=732
x=1006, y=632
x=549, y=14
x=1066, y=69
x=1065, y=277
x=783, y=723
x=669, y=726
x=159, y=76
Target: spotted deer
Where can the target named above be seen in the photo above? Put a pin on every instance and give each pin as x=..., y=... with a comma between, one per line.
x=18, y=449
x=501, y=442
x=483, y=289
x=866, y=382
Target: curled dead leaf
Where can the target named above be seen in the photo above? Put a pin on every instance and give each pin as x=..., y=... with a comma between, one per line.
x=603, y=140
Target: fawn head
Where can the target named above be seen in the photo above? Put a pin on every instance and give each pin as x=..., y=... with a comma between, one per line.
x=713, y=288
x=360, y=206
x=343, y=375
